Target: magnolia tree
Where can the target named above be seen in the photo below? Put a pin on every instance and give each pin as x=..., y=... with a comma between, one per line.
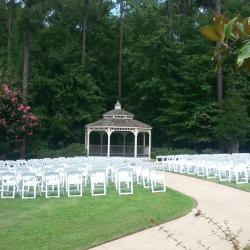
x=232, y=38
x=16, y=119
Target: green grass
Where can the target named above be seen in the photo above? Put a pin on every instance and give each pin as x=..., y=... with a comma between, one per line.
x=81, y=223
x=233, y=184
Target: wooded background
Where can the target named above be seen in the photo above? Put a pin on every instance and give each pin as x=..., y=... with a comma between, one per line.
x=65, y=54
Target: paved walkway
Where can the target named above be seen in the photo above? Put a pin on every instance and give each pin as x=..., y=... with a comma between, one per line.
x=217, y=201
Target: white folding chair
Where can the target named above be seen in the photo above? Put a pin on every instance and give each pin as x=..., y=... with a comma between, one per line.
x=29, y=183
x=125, y=181
x=52, y=182
x=98, y=182
x=201, y=170
x=211, y=169
x=157, y=179
x=191, y=168
x=241, y=173
x=8, y=185
x=225, y=171
x=74, y=183
x=84, y=171
x=44, y=171
x=3, y=169
x=145, y=173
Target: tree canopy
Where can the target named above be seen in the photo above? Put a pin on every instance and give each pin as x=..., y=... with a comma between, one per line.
x=168, y=77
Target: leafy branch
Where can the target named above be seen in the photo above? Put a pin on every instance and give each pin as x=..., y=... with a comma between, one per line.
x=223, y=232
x=232, y=38
x=171, y=236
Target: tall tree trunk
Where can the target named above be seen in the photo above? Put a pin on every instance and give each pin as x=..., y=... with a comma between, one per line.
x=25, y=84
x=233, y=147
x=9, y=40
x=120, y=51
x=9, y=32
x=170, y=17
x=184, y=7
x=219, y=72
x=84, y=31
x=26, y=65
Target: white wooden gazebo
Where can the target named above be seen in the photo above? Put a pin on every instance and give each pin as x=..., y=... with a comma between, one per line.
x=120, y=122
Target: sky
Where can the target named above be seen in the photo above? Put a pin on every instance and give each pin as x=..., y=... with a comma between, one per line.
x=116, y=10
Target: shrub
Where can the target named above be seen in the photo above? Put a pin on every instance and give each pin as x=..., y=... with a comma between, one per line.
x=74, y=149
x=16, y=120
x=171, y=151
x=209, y=151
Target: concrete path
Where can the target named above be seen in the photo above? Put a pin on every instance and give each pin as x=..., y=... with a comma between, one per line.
x=218, y=201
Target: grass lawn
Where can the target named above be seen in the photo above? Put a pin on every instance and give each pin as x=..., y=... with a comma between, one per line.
x=81, y=223
x=244, y=187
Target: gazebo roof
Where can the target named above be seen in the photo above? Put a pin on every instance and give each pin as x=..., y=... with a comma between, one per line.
x=118, y=118
x=118, y=112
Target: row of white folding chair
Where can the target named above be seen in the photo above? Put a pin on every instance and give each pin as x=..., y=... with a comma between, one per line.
x=51, y=182
x=17, y=172
x=9, y=184
x=223, y=169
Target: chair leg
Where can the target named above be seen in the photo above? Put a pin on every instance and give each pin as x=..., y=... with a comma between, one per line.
x=58, y=190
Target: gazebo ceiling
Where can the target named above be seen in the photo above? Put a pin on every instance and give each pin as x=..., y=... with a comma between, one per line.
x=118, y=118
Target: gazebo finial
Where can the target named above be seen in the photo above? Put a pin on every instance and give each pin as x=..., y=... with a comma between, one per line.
x=118, y=105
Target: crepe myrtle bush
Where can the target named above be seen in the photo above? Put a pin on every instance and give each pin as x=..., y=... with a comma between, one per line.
x=16, y=119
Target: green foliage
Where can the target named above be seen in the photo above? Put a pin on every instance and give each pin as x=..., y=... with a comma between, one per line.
x=233, y=40
x=74, y=149
x=168, y=81
x=209, y=151
x=65, y=103
x=233, y=122
x=16, y=120
x=171, y=151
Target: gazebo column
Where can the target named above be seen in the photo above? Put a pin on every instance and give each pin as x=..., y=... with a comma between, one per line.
x=87, y=141
x=149, y=144
x=109, y=132
x=144, y=143
x=135, y=147
x=85, y=138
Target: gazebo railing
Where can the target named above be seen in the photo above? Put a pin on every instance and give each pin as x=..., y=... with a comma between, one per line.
x=117, y=150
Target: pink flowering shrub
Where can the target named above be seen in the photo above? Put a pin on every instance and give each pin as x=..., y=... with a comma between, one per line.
x=16, y=119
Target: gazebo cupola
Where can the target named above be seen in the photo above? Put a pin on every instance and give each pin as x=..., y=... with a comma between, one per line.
x=118, y=121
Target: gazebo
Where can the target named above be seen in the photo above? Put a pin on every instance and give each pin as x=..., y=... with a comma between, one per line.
x=114, y=135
